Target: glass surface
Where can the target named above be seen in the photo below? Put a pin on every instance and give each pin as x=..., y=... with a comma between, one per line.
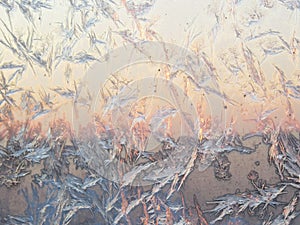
x=149, y=112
